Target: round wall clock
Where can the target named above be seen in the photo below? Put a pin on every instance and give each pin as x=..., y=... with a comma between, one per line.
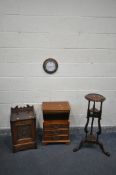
x=50, y=65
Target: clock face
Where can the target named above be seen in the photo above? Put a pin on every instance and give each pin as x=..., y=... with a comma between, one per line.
x=50, y=65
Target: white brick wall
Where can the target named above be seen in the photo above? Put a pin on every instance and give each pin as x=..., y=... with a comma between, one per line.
x=79, y=34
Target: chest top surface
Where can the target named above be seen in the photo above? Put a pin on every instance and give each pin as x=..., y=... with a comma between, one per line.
x=56, y=106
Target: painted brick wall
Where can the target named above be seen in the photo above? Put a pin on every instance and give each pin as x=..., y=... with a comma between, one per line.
x=79, y=34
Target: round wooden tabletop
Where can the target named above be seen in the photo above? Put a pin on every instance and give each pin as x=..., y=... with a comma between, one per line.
x=95, y=97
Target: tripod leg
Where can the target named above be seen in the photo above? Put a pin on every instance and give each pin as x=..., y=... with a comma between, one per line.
x=103, y=150
x=78, y=147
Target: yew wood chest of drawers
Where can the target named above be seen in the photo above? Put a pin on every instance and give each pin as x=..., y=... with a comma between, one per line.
x=23, y=128
x=56, y=122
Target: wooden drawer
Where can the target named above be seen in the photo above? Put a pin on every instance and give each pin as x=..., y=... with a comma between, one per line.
x=56, y=126
x=56, y=131
x=56, y=138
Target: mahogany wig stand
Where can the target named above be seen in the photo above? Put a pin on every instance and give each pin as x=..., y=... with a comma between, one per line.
x=93, y=113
